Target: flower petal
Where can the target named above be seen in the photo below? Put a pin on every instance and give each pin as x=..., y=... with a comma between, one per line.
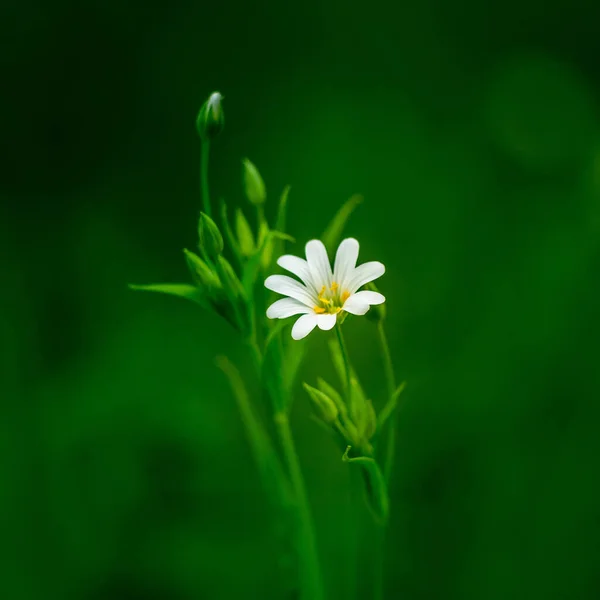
x=318, y=263
x=356, y=306
x=345, y=262
x=326, y=321
x=304, y=325
x=298, y=267
x=287, y=307
x=282, y=284
x=369, y=297
x=365, y=273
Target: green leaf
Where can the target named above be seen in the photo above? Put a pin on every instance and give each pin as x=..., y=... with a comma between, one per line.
x=333, y=233
x=182, y=290
x=228, y=233
x=282, y=209
x=235, y=293
x=294, y=354
x=272, y=369
x=388, y=410
x=338, y=361
x=280, y=221
x=252, y=267
x=269, y=465
x=204, y=277
x=376, y=491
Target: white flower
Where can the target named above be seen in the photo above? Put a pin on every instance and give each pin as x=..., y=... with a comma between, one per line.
x=322, y=295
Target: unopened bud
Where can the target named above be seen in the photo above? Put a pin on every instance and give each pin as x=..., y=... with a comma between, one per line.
x=323, y=405
x=371, y=420
x=229, y=278
x=210, y=240
x=202, y=274
x=377, y=312
x=254, y=185
x=244, y=233
x=210, y=120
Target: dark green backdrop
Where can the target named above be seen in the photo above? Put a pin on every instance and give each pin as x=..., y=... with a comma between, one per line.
x=471, y=128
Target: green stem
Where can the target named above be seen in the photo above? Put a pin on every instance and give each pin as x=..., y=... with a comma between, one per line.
x=378, y=566
x=390, y=450
x=256, y=354
x=270, y=468
x=387, y=360
x=260, y=216
x=390, y=446
x=344, y=352
x=205, y=150
x=311, y=583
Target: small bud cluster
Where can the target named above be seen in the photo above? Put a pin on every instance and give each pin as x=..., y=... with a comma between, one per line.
x=350, y=416
x=219, y=285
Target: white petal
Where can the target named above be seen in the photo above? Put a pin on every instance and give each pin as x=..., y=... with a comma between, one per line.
x=368, y=297
x=326, y=321
x=298, y=267
x=345, y=262
x=286, y=307
x=318, y=263
x=282, y=284
x=304, y=325
x=365, y=273
x=356, y=306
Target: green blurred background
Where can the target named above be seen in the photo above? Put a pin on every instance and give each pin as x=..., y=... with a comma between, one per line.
x=472, y=131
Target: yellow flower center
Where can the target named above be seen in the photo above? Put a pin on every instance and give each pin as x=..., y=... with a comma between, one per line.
x=330, y=300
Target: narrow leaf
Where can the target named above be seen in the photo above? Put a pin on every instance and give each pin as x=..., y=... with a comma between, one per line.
x=388, y=410
x=228, y=233
x=376, y=492
x=281, y=219
x=252, y=267
x=182, y=290
x=333, y=233
x=272, y=370
x=270, y=468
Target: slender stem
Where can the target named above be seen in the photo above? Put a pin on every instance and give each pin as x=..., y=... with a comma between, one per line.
x=390, y=450
x=204, y=154
x=390, y=446
x=256, y=354
x=311, y=583
x=270, y=467
x=344, y=352
x=387, y=360
x=260, y=216
x=378, y=566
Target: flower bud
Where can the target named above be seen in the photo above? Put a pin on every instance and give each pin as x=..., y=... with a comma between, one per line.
x=377, y=312
x=371, y=420
x=210, y=240
x=323, y=405
x=210, y=120
x=254, y=185
x=244, y=233
x=202, y=274
x=229, y=278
